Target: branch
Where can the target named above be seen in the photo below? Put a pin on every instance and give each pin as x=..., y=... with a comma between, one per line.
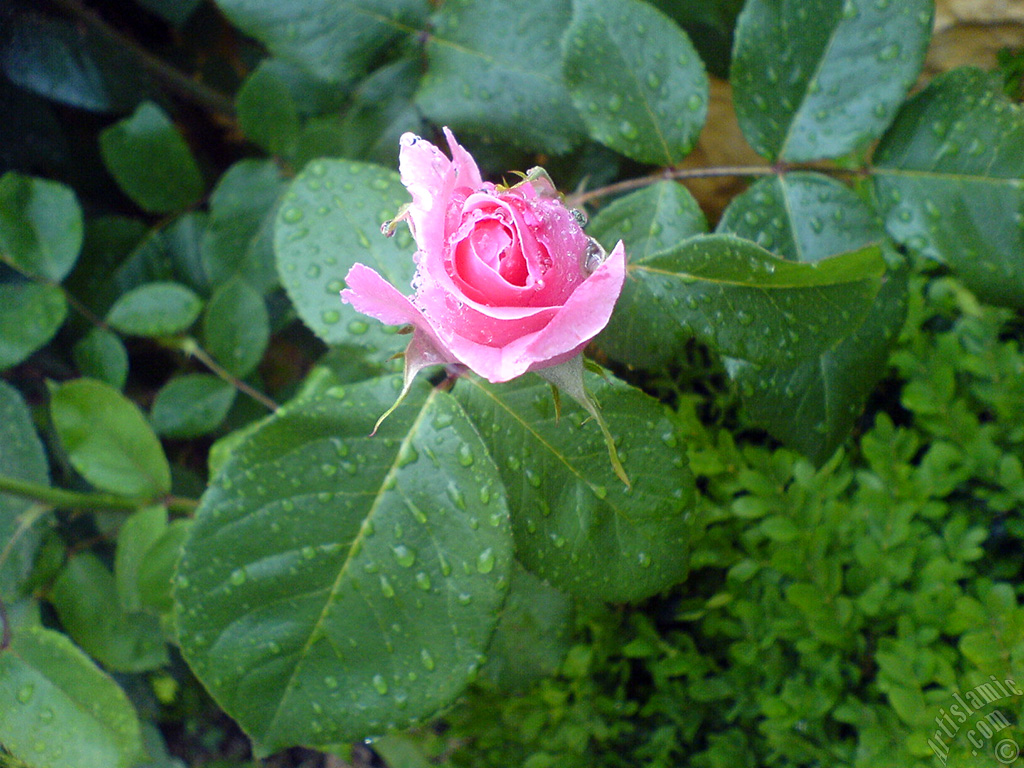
x=176, y=81
x=190, y=346
x=677, y=174
x=60, y=498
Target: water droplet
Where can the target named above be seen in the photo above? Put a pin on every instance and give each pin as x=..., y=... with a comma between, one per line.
x=456, y=495
x=644, y=559
x=404, y=556
x=533, y=478
x=406, y=456
x=593, y=256
x=614, y=102
x=465, y=454
x=308, y=552
x=485, y=561
x=358, y=327
x=599, y=490
x=292, y=215
x=331, y=682
x=628, y=130
x=330, y=316
x=238, y=577
x=380, y=684
x=385, y=587
x=423, y=581
x=25, y=693
x=889, y=52
x=427, y=659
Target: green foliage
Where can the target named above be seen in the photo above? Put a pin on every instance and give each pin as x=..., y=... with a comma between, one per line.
x=192, y=501
x=107, y=440
x=388, y=561
x=832, y=87
x=646, y=101
x=21, y=457
x=151, y=162
x=483, y=80
x=40, y=226
x=330, y=219
x=62, y=710
x=576, y=524
x=951, y=188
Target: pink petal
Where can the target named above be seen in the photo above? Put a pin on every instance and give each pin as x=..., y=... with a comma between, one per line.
x=584, y=314
x=466, y=170
x=372, y=295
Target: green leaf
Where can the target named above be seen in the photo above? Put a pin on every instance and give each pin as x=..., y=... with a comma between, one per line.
x=747, y=303
x=157, y=568
x=40, y=226
x=636, y=79
x=949, y=176
x=533, y=634
x=59, y=711
x=69, y=63
x=85, y=596
x=709, y=25
x=155, y=309
x=329, y=220
x=336, y=585
x=170, y=253
x=267, y=113
x=191, y=405
x=21, y=457
x=101, y=355
x=334, y=40
x=238, y=240
x=493, y=70
x=823, y=78
x=108, y=440
x=151, y=162
x=647, y=221
x=236, y=327
x=382, y=110
x=575, y=523
x=137, y=535
x=30, y=314
x=109, y=242
x=813, y=405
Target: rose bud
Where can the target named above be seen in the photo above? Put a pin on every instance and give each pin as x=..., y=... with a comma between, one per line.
x=506, y=281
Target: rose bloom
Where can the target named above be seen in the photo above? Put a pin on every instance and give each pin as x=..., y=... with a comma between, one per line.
x=506, y=281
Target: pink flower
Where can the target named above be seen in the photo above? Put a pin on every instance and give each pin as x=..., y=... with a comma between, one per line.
x=506, y=281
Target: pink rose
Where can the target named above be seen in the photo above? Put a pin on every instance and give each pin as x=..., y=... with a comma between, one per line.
x=506, y=281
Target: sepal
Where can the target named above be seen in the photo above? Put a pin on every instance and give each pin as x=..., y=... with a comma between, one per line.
x=567, y=377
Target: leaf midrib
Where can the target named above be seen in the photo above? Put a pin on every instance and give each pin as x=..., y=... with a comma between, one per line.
x=354, y=548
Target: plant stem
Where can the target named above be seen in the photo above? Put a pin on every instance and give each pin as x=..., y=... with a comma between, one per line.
x=677, y=174
x=191, y=347
x=58, y=497
x=183, y=85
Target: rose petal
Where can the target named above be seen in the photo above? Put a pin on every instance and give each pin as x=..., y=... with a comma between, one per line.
x=466, y=170
x=585, y=313
x=372, y=295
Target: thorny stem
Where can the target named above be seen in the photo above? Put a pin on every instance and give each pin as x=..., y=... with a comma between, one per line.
x=58, y=497
x=183, y=85
x=678, y=174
